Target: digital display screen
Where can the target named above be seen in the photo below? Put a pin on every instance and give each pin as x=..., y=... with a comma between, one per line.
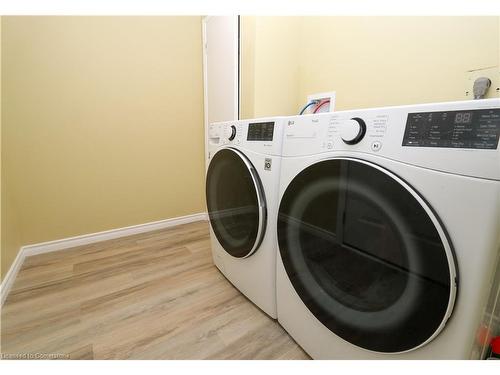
x=463, y=118
x=260, y=131
x=477, y=129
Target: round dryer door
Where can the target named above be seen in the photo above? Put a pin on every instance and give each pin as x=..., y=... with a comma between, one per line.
x=366, y=255
x=235, y=202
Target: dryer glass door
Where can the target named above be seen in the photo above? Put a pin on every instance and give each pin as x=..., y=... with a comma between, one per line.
x=235, y=202
x=366, y=255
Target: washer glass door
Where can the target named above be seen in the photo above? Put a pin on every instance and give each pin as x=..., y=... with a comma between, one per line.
x=235, y=202
x=366, y=255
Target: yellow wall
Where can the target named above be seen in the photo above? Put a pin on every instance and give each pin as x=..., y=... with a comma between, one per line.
x=102, y=124
x=371, y=61
x=247, y=66
x=269, y=67
x=377, y=61
x=273, y=67
x=1, y=180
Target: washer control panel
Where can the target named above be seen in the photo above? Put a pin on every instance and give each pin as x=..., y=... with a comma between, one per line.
x=456, y=137
x=476, y=129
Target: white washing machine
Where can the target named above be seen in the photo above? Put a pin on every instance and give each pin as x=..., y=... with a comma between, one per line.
x=242, y=183
x=388, y=229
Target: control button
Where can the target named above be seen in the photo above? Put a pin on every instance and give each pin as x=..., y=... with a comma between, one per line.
x=376, y=146
x=353, y=130
x=233, y=132
x=212, y=131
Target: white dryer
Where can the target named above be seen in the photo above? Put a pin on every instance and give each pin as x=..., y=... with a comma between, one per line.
x=242, y=183
x=388, y=229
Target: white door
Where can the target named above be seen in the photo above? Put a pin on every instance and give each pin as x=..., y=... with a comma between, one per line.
x=220, y=69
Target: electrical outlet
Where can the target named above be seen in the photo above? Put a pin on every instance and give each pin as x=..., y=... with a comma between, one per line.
x=493, y=73
x=330, y=107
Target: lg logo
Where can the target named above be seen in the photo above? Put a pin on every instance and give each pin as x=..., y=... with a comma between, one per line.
x=267, y=164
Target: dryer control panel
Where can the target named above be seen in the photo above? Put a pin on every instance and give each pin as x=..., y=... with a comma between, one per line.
x=263, y=135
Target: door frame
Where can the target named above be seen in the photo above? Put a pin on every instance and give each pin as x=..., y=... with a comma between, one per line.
x=234, y=62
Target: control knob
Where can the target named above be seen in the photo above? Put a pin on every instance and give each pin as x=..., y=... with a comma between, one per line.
x=353, y=130
x=233, y=132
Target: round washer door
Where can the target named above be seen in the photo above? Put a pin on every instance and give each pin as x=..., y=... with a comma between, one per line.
x=236, y=203
x=366, y=255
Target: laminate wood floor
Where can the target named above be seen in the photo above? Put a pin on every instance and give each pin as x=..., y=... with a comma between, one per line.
x=155, y=295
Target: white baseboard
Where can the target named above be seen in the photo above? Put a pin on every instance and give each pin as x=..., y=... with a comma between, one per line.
x=46, y=247
x=70, y=242
x=10, y=276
